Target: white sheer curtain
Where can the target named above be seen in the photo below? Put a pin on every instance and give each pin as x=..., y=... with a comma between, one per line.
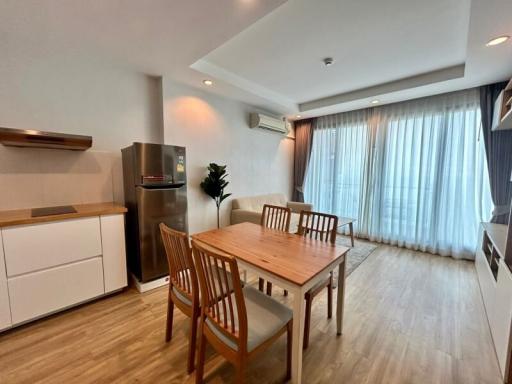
x=336, y=177
x=415, y=170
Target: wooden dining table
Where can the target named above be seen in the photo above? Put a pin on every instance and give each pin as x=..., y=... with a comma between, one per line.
x=293, y=262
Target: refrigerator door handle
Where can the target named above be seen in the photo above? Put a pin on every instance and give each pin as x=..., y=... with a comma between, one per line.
x=167, y=188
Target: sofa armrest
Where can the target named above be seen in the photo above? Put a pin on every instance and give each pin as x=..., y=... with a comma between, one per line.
x=242, y=216
x=296, y=207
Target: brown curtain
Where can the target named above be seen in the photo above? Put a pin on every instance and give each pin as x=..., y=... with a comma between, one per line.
x=498, y=148
x=303, y=145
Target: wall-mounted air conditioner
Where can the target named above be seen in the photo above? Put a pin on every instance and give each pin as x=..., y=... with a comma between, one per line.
x=258, y=120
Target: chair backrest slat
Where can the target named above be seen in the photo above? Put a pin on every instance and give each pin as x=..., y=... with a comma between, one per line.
x=276, y=217
x=207, y=285
x=221, y=292
x=230, y=302
x=213, y=285
x=319, y=226
x=182, y=271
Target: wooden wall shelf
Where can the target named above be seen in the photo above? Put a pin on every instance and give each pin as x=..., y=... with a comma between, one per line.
x=502, y=118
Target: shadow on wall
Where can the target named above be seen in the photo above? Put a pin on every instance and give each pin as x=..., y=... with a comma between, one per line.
x=43, y=177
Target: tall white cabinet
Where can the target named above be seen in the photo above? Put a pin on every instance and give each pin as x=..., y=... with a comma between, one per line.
x=50, y=266
x=495, y=280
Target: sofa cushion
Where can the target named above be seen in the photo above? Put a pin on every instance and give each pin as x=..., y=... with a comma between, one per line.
x=256, y=203
x=294, y=223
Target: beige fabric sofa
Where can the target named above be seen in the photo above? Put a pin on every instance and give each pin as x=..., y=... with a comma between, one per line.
x=248, y=209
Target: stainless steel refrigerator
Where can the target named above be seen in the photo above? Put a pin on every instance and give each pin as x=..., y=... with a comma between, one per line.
x=155, y=191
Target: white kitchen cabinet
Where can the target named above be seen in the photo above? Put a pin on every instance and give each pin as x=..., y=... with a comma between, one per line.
x=35, y=247
x=114, y=254
x=43, y=292
x=5, y=310
x=487, y=283
x=502, y=316
x=495, y=281
x=50, y=266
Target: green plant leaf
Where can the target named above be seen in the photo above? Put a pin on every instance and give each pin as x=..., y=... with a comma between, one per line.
x=215, y=182
x=224, y=197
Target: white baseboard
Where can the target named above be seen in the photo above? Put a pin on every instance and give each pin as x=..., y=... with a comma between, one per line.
x=144, y=287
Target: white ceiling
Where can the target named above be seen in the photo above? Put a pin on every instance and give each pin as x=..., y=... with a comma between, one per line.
x=391, y=50
x=156, y=37
x=371, y=42
x=269, y=52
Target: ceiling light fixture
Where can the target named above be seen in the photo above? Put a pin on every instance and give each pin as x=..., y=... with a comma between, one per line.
x=298, y=116
x=207, y=82
x=375, y=101
x=497, y=40
x=328, y=61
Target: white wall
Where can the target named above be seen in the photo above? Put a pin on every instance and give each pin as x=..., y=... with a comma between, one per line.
x=32, y=177
x=118, y=107
x=214, y=129
x=113, y=105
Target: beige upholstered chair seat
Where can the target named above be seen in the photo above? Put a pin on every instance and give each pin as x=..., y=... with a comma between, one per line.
x=182, y=297
x=265, y=318
x=186, y=300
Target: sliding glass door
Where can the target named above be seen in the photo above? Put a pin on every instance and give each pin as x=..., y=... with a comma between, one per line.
x=412, y=173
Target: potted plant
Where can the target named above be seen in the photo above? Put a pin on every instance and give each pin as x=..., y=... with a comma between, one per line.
x=213, y=185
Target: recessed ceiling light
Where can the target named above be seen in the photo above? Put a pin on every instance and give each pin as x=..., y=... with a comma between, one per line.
x=328, y=61
x=497, y=40
x=298, y=116
x=207, y=82
x=375, y=101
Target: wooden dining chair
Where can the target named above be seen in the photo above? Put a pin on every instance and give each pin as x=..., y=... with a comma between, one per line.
x=183, y=286
x=323, y=227
x=274, y=217
x=239, y=323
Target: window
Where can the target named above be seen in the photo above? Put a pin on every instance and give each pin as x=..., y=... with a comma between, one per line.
x=412, y=174
x=335, y=178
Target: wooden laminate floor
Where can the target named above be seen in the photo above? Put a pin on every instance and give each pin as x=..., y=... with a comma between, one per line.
x=410, y=318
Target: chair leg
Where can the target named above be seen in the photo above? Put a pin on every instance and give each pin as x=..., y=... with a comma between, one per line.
x=329, y=299
x=170, y=312
x=307, y=321
x=261, y=284
x=240, y=373
x=289, y=337
x=269, y=288
x=200, y=356
x=192, y=343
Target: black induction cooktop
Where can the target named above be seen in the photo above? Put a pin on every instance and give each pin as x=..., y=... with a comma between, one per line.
x=48, y=211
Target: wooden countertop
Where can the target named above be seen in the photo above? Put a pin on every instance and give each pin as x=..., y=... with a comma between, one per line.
x=23, y=216
x=498, y=234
